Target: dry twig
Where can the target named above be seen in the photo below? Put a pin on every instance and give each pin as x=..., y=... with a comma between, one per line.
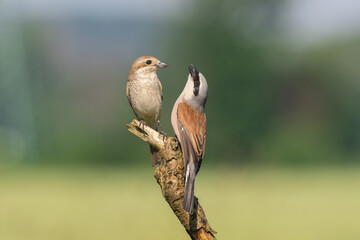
x=171, y=178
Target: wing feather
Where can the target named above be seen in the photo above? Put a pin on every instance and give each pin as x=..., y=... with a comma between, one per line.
x=192, y=131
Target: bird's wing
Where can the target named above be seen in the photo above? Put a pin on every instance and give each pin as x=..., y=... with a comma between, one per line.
x=127, y=91
x=129, y=98
x=161, y=88
x=192, y=131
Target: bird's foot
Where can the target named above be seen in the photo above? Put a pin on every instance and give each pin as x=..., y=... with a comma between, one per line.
x=142, y=124
x=160, y=130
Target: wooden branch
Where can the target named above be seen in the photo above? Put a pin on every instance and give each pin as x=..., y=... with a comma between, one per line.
x=170, y=175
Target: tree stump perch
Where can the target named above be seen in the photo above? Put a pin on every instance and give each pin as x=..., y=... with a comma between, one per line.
x=170, y=175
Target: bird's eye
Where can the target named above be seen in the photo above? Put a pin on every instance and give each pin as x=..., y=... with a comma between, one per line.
x=148, y=62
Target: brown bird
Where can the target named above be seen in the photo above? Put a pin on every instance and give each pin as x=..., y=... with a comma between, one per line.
x=189, y=122
x=144, y=92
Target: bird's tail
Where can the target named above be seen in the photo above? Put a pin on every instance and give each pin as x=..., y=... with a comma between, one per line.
x=188, y=203
x=155, y=155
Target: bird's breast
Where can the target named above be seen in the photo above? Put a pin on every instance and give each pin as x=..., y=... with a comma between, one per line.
x=145, y=97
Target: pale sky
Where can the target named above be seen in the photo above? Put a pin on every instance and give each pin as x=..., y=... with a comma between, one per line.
x=323, y=18
x=103, y=8
x=308, y=19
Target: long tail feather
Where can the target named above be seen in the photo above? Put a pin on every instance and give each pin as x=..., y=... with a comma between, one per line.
x=188, y=203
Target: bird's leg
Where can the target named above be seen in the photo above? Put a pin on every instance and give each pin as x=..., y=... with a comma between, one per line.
x=160, y=130
x=142, y=124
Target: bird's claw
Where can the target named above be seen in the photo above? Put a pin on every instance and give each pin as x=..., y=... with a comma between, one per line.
x=164, y=134
x=142, y=124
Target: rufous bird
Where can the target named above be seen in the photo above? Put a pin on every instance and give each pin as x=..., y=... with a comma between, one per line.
x=189, y=122
x=144, y=92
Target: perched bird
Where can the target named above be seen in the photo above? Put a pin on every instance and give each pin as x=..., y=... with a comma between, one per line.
x=189, y=122
x=144, y=92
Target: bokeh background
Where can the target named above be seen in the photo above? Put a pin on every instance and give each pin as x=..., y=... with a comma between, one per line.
x=283, y=139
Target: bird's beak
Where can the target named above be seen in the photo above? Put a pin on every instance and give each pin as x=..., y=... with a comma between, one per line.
x=193, y=71
x=161, y=65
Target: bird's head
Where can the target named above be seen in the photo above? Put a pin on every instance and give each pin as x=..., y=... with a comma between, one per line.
x=196, y=88
x=146, y=64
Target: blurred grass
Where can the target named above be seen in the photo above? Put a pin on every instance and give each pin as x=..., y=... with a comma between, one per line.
x=249, y=203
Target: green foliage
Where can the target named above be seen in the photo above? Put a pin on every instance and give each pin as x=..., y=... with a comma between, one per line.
x=269, y=102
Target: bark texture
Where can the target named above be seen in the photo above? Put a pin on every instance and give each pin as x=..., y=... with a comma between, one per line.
x=170, y=175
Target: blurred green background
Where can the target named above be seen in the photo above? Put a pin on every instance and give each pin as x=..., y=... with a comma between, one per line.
x=283, y=146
